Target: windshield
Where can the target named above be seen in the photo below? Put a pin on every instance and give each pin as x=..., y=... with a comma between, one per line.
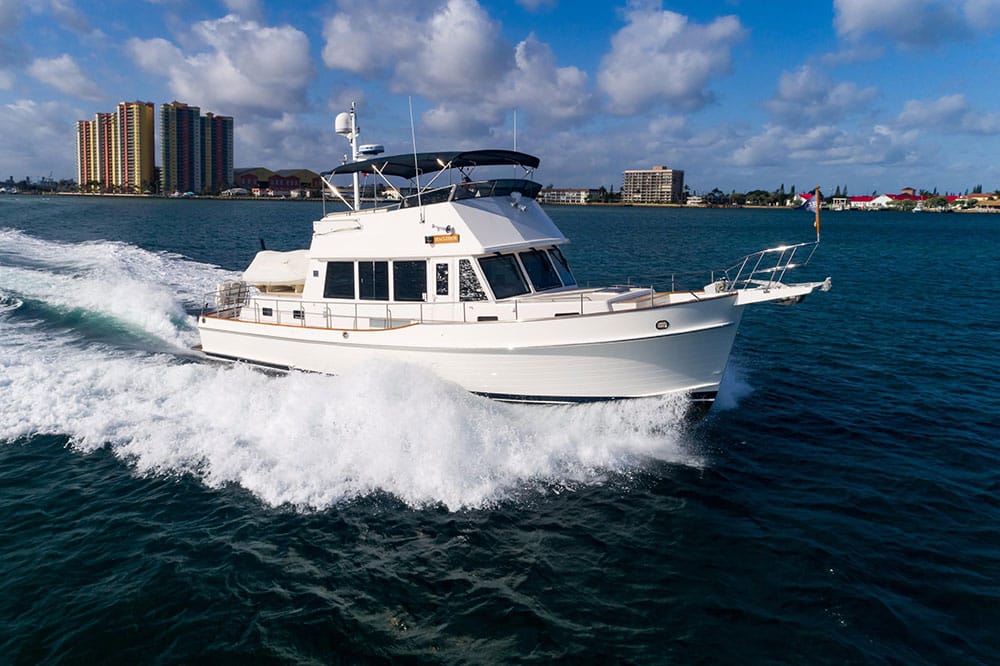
x=540, y=270
x=504, y=276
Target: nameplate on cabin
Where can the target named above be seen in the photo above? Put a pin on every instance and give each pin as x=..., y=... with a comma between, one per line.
x=441, y=238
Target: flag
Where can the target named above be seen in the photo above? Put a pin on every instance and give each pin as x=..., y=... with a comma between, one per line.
x=813, y=205
x=809, y=204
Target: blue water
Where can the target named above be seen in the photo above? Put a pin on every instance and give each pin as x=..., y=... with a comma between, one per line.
x=840, y=503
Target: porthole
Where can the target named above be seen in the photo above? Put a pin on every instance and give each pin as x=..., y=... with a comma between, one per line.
x=662, y=325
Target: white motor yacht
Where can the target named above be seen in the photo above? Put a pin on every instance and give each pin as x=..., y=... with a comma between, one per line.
x=467, y=279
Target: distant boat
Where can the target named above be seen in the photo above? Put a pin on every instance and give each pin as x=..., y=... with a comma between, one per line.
x=466, y=277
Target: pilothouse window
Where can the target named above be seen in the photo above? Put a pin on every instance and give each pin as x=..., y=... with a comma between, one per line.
x=562, y=266
x=540, y=270
x=373, y=280
x=339, y=280
x=503, y=275
x=468, y=284
x=409, y=280
x=442, y=279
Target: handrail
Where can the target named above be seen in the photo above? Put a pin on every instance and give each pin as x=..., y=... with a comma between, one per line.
x=773, y=263
x=759, y=270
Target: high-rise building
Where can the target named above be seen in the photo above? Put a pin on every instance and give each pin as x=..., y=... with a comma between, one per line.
x=652, y=186
x=133, y=146
x=116, y=150
x=216, y=152
x=87, y=168
x=180, y=148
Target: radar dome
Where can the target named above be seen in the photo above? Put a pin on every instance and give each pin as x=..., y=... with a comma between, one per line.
x=343, y=123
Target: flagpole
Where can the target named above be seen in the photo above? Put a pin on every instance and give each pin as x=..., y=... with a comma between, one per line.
x=818, y=206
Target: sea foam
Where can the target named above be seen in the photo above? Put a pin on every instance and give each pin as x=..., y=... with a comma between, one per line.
x=299, y=439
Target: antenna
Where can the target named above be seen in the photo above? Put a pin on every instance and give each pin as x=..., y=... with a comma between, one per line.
x=416, y=165
x=515, y=128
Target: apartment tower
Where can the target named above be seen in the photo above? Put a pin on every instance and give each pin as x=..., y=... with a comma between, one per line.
x=658, y=185
x=114, y=151
x=180, y=148
x=216, y=153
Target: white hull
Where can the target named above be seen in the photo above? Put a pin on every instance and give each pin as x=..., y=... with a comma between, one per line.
x=589, y=357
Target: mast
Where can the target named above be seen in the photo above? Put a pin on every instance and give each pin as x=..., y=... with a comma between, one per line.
x=347, y=126
x=818, y=206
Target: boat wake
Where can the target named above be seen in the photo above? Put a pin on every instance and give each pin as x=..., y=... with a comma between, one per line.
x=305, y=440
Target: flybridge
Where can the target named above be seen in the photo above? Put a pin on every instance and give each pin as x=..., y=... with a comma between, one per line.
x=414, y=165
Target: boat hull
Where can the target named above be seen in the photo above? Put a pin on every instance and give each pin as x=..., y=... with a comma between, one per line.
x=651, y=352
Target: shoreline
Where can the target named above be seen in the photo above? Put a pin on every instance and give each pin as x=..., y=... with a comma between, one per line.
x=219, y=197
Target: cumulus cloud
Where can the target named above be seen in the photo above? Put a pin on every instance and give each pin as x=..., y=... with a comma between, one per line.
x=242, y=67
x=808, y=97
x=455, y=57
x=63, y=74
x=69, y=15
x=280, y=140
x=249, y=9
x=453, y=51
x=34, y=136
x=950, y=113
x=916, y=23
x=776, y=146
x=662, y=57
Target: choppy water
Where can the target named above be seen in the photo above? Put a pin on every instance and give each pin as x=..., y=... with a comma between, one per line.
x=840, y=504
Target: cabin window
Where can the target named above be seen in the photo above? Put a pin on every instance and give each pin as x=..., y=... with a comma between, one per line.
x=267, y=312
x=409, y=280
x=562, y=266
x=540, y=270
x=469, y=288
x=339, y=280
x=503, y=275
x=442, y=279
x=373, y=280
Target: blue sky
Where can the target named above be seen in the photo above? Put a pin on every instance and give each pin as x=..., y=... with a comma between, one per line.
x=874, y=95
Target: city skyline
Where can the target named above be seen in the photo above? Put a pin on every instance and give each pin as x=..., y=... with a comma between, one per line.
x=873, y=95
x=115, y=152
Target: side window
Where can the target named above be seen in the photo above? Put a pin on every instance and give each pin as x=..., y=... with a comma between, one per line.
x=540, y=271
x=562, y=266
x=441, y=271
x=503, y=275
x=339, y=280
x=469, y=288
x=373, y=280
x=409, y=280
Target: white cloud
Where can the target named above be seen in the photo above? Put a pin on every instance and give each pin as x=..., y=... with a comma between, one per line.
x=916, y=23
x=35, y=136
x=808, y=97
x=456, y=51
x=661, y=57
x=456, y=57
x=248, y=9
x=63, y=74
x=825, y=145
x=6, y=79
x=245, y=68
x=71, y=17
x=950, y=113
x=536, y=86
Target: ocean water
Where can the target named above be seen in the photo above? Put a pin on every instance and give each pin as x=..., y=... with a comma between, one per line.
x=839, y=504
